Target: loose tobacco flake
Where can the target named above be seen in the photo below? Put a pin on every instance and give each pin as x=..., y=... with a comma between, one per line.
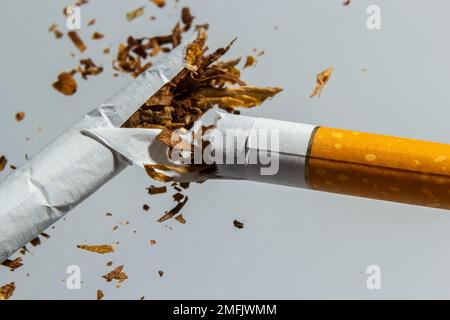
x=3, y=162
x=185, y=185
x=7, y=291
x=152, y=242
x=322, y=79
x=187, y=18
x=116, y=274
x=20, y=116
x=88, y=68
x=54, y=28
x=250, y=61
x=100, y=294
x=102, y=249
x=180, y=219
x=66, y=84
x=97, y=36
x=178, y=197
x=173, y=212
x=159, y=3
x=73, y=35
x=157, y=190
x=238, y=224
x=35, y=242
x=13, y=264
x=135, y=13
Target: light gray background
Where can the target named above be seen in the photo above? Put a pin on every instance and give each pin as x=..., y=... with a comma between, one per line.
x=296, y=243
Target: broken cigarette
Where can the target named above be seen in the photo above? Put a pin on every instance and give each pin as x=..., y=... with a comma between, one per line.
x=343, y=161
x=75, y=165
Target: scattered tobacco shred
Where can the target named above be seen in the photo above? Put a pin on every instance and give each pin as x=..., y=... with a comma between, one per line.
x=13, y=264
x=66, y=84
x=173, y=212
x=116, y=274
x=54, y=28
x=346, y=2
x=238, y=224
x=187, y=18
x=97, y=36
x=100, y=294
x=73, y=35
x=159, y=3
x=13, y=167
x=145, y=207
x=7, y=291
x=322, y=79
x=20, y=116
x=180, y=219
x=184, y=185
x=88, y=68
x=135, y=13
x=35, y=242
x=178, y=197
x=3, y=162
x=102, y=249
x=250, y=61
x=24, y=250
x=157, y=190
x=109, y=263
x=130, y=57
x=91, y=22
x=45, y=235
x=204, y=84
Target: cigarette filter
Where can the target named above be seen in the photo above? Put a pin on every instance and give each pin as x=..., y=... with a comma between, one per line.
x=347, y=162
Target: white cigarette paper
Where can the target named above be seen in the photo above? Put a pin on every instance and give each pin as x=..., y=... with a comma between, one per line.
x=288, y=148
x=76, y=164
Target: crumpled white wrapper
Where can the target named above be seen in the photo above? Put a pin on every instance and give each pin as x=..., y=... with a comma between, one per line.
x=78, y=162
